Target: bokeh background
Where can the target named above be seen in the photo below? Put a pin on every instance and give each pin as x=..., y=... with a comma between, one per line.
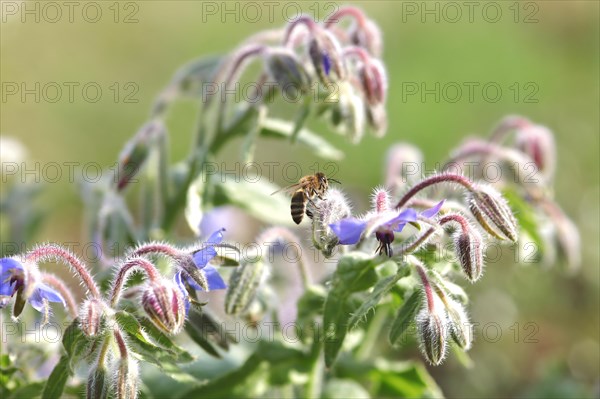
x=548, y=51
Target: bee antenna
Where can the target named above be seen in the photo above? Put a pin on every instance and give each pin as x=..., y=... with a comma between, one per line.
x=335, y=181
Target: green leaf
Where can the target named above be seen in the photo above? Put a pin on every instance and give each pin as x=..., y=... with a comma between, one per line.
x=344, y=389
x=355, y=272
x=32, y=390
x=249, y=144
x=526, y=217
x=405, y=316
x=57, y=380
x=301, y=116
x=382, y=287
x=279, y=128
x=402, y=380
x=255, y=198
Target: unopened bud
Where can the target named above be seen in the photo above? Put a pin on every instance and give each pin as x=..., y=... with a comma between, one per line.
x=348, y=113
x=368, y=36
x=325, y=54
x=243, y=286
x=373, y=79
x=97, y=387
x=493, y=213
x=432, y=329
x=126, y=378
x=377, y=118
x=469, y=250
x=136, y=152
x=460, y=326
x=90, y=316
x=286, y=69
x=538, y=143
x=333, y=208
x=164, y=305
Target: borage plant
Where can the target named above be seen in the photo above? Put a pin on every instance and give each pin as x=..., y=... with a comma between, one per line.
x=389, y=272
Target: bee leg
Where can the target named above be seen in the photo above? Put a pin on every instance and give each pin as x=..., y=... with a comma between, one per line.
x=309, y=213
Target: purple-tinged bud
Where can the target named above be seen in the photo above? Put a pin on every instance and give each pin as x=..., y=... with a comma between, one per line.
x=288, y=72
x=538, y=143
x=468, y=246
x=136, y=152
x=333, y=208
x=369, y=37
x=493, y=213
x=243, y=286
x=90, y=316
x=373, y=78
x=326, y=55
x=432, y=330
x=164, y=305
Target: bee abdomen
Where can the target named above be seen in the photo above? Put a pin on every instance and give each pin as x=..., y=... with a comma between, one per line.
x=298, y=206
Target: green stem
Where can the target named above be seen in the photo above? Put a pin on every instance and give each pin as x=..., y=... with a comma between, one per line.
x=372, y=336
x=315, y=379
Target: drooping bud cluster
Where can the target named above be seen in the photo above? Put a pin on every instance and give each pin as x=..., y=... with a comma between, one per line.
x=164, y=305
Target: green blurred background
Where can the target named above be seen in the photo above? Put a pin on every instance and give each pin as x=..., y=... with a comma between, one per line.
x=552, y=46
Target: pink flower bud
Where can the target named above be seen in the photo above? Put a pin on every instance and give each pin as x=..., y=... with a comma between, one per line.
x=432, y=330
x=538, y=143
x=164, y=305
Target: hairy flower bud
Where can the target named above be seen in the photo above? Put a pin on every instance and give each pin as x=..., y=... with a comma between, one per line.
x=373, y=79
x=469, y=250
x=136, y=152
x=97, y=387
x=325, y=53
x=288, y=72
x=186, y=262
x=403, y=164
x=369, y=37
x=243, y=286
x=538, y=143
x=460, y=326
x=333, y=208
x=164, y=305
x=432, y=330
x=90, y=316
x=126, y=378
x=492, y=212
x=348, y=113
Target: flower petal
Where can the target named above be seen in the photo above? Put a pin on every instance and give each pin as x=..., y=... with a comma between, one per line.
x=215, y=238
x=400, y=227
x=7, y=289
x=215, y=281
x=36, y=300
x=48, y=293
x=204, y=255
x=431, y=212
x=184, y=293
x=9, y=267
x=193, y=283
x=348, y=230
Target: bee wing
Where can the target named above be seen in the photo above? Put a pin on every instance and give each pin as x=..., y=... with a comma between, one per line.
x=289, y=189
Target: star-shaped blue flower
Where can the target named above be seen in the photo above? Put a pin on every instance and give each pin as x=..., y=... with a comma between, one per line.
x=384, y=224
x=12, y=279
x=201, y=259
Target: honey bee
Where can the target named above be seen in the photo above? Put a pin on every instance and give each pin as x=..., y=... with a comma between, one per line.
x=307, y=188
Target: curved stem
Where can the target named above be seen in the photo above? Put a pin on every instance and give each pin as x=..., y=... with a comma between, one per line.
x=155, y=248
x=55, y=252
x=506, y=125
x=461, y=220
x=61, y=287
x=354, y=12
x=121, y=278
x=303, y=20
x=427, y=287
x=443, y=178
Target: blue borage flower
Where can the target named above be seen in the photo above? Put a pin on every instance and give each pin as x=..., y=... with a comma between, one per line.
x=201, y=259
x=383, y=221
x=12, y=280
